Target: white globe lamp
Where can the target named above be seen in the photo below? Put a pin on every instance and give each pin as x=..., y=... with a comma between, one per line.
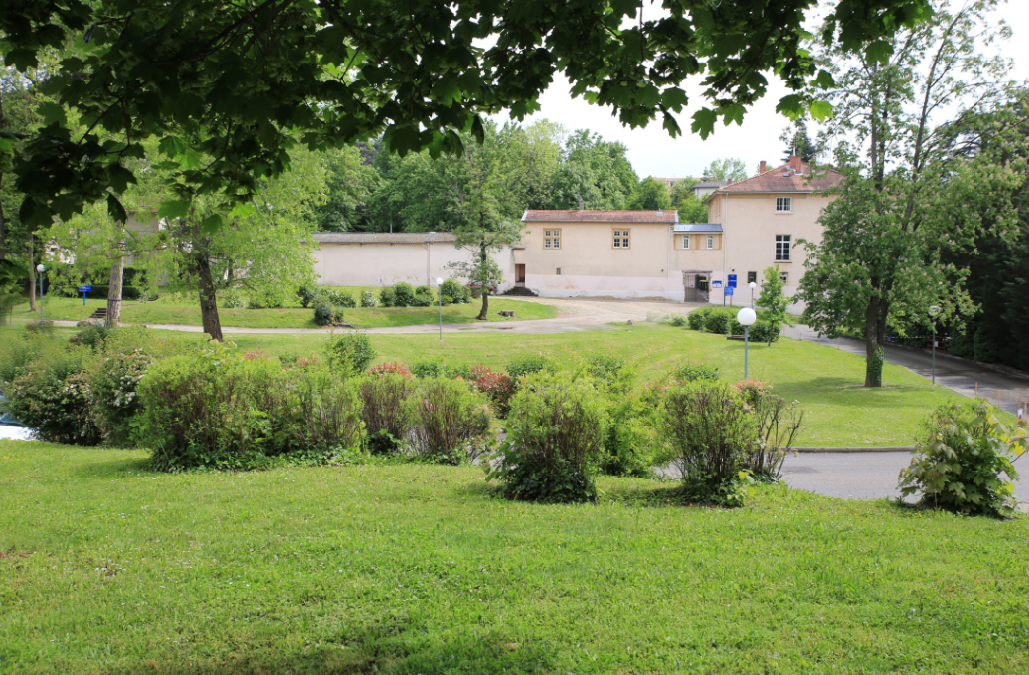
x=747, y=317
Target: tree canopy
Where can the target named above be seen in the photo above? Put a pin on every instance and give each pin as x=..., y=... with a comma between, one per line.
x=227, y=88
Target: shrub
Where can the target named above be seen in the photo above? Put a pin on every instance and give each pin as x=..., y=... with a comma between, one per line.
x=556, y=430
x=325, y=314
x=387, y=413
x=960, y=464
x=423, y=290
x=53, y=398
x=233, y=300
x=875, y=367
x=631, y=440
x=422, y=300
x=719, y=321
x=678, y=321
x=388, y=297
x=778, y=423
x=266, y=299
x=339, y=298
x=451, y=422
x=395, y=367
x=711, y=434
x=697, y=317
x=446, y=300
x=403, y=294
x=530, y=365
x=430, y=369
x=113, y=391
x=764, y=331
x=94, y=336
x=695, y=372
x=349, y=353
x=307, y=296
x=752, y=391
x=604, y=368
x=456, y=291
x=368, y=299
x=312, y=417
x=496, y=387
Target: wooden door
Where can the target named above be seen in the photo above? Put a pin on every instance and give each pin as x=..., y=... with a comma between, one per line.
x=519, y=273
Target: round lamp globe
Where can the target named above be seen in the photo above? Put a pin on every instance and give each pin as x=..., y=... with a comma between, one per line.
x=40, y=267
x=439, y=281
x=746, y=316
x=753, y=284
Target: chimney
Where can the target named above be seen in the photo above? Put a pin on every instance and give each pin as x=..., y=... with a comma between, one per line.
x=795, y=163
x=764, y=166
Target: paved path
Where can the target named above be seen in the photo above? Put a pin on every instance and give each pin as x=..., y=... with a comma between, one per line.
x=963, y=376
x=865, y=475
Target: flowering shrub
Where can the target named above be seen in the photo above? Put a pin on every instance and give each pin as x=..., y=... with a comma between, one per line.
x=114, y=384
x=497, y=387
x=53, y=398
x=396, y=367
x=452, y=423
x=752, y=391
x=368, y=299
x=387, y=413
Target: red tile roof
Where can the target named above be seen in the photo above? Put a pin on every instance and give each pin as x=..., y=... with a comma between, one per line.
x=384, y=237
x=785, y=179
x=576, y=216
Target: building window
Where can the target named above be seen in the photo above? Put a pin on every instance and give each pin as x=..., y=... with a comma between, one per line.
x=685, y=242
x=784, y=204
x=552, y=239
x=782, y=247
x=783, y=276
x=559, y=270
x=710, y=242
x=620, y=239
x=751, y=277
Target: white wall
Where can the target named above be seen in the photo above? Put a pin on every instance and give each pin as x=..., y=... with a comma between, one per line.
x=378, y=264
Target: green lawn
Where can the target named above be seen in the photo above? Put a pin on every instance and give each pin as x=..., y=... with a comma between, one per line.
x=826, y=381
x=179, y=311
x=416, y=569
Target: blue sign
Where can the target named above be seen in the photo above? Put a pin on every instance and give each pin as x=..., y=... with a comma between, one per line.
x=85, y=289
x=732, y=280
x=729, y=290
x=716, y=284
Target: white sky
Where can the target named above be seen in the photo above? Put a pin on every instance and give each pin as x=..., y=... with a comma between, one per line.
x=653, y=152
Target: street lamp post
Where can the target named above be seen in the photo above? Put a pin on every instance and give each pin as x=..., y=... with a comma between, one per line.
x=439, y=287
x=752, y=285
x=746, y=317
x=933, y=311
x=42, y=317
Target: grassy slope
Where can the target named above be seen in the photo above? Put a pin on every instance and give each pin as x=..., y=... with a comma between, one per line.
x=183, y=312
x=416, y=569
x=826, y=381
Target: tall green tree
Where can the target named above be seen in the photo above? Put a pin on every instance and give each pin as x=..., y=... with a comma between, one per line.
x=240, y=84
x=727, y=169
x=685, y=201
x=911, y=197
x=650, y=195
x=594, y=173
x=773, y=300
x=796, y=140
x=349, y=186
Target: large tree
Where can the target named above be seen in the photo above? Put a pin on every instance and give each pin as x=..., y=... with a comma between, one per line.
x=650, y=195
x=909, y=196
x=727, y=169
x=236, y=82
x=594, y=173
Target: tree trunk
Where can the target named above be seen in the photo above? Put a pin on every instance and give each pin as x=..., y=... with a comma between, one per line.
x=484, y=312
x=114, y=290
x=3, y=219
x=208, y=298
x=32, y=274
x=873, y=367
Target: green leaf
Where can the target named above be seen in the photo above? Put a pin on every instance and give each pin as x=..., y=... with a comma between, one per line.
x=52, y=112
x=825, y=80
x=173, y=208
x=704, y=122
x=120, y=177
x=211, y=224
x=879, y=52
x=244, y=210
x=172, y=146
x=820, y=110
x=116, y=210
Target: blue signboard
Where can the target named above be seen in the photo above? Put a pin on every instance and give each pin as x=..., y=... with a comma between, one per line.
x=729, y=290
x=732, y=280
x=85, y=289
x=716, y=284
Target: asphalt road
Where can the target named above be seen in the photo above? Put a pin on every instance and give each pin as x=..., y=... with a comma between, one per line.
x=966, y=377
x=864, y=475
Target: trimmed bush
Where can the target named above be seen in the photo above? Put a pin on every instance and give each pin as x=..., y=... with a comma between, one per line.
x=452, y=424
x=388, y=297
x=695, y=372
x=632, y=441
x=764, y=331
x=233, y=300
x=403, y=294
x=678, y=321
x=307, y=295
x=387, y=413
x=325, y=314
x=711, y=434
x=719, y=320
x=530, y=365
x=556, y=431
x=53, y=398
x=964, y=462
x=339, y=298
x=430, y=369
x=696, y=318
x=265, y=300
x=368, y=299
x=94, y=336
x=422, y=300
x=454, y=289
x=349, y=353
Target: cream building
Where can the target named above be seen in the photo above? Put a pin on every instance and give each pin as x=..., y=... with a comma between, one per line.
x=383, y=259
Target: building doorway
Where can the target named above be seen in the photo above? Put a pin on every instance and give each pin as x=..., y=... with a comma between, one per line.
x=696, y=286
x=519, y=273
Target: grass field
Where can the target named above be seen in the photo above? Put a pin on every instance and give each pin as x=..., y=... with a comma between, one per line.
x=826, y=381
x=181, y=311
x=416, y=569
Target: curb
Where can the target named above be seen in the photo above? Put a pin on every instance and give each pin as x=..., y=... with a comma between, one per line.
x=895, y=448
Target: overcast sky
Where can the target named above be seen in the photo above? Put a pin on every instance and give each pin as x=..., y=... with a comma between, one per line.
x=653, y=152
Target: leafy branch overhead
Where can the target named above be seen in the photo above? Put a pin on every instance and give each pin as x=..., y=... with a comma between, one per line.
x=240, y=83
